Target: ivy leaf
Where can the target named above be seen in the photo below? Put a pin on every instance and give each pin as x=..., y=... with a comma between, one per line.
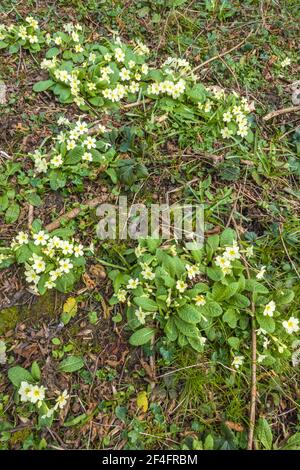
x=142, y=336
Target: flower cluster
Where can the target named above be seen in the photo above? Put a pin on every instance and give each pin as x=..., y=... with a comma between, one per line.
x=74, y=146
x=35, y=394
x=50, y=261
x=224, y=261
x=27, y=34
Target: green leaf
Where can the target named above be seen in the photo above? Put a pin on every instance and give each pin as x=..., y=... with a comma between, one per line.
x=266, y=323
x=230, y=317
x=196, y=344
x=293, y=442
x=284, y=296
x=147, y=305
x=142, y=336
x=212, y=309
x=74, y=156
x=71, y=364
x=18, y=374
x=171, y=330
x=65, y=283
x=35, y=371
x=254, y=286
x=187, y=329
x=75, y=421
x=54, y=51
x=189, y=313
x=264, y=433
x=3, y=202
x=42, y=85
x=215, y=274
x=234, y=342
x=12, y=213
x=227, y=237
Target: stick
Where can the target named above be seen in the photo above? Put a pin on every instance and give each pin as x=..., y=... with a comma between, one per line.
x=75, y=212
x=278, y=112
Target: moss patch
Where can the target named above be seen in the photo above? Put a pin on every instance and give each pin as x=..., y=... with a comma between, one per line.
x=48, y=305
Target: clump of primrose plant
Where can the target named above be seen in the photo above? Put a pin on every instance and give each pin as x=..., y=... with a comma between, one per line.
x=25, y=34
x=75, y=152
x=205, y=296
x=51, y=260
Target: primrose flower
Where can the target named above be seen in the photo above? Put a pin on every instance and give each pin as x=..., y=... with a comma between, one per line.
x=223, y=261
x=56, y=161
x=226, y=133
x=208, y=106
x=22, y=33
x=286, y=62
x=36, y=394
x=145, y=69
x=232, y=252
x=40, y=238
x=181, y=286
x=75, y=36
x=124, y=74
x=78, y=250
x=32, y=276
x=33, y=39
x=148, y=274
x=89, y=143
x=199, y=300
x=237, y=361
x=32, y=22
x=22, y=238
x=55, y=274
x=39, y=265
x=65, y=266
x=249, y=251
x=67, y=247
x=227, y=117
x=132, y=283
x=87, y=156
x=24, y=391
x=119, y=55
x=71, y=144
x=78, y=48
x=121, y=295
x=192, y=271
x=61, y=400
x=134, y=87
x=261, y=273
x=107, y=57
x=291, y=325
x=49, y=284
x=270, y=309
x=141, y=316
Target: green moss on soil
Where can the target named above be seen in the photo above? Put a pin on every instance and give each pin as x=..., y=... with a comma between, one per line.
x=46, y=305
